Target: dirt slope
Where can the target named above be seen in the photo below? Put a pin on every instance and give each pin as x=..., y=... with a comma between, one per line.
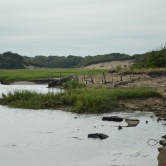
x=110, y=65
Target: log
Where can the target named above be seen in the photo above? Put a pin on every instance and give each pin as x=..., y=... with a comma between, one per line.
x=61, y=81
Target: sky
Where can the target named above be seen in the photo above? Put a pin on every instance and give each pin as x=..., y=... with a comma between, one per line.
x=81, y=27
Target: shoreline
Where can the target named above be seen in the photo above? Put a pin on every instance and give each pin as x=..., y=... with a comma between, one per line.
x=156, y=82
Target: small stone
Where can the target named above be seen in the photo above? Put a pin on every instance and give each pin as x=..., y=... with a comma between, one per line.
x=163, y=142
x=164, y=137
x=97, y=135
x=119, y=127
x=162, y=148
x=113, y=118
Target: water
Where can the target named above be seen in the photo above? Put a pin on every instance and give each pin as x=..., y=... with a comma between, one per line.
x=57, y=138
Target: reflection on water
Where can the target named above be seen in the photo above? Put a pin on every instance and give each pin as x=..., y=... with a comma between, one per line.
x=36, y=88
x=54, y=137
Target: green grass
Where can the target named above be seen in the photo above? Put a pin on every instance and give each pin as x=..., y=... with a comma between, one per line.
x=73, y=84
x=84, y=100
x=38, y=74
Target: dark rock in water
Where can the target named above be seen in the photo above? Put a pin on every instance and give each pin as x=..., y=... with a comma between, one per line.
x=119, y=127
x=163, y=142
x=103, y=136
x=113, y=118
x=146, y=122
x=162, y=158
x=157, y=114
x=158, y=119
x=164, y=137
x=132, y=122
x=162, y=148
x=96, y=135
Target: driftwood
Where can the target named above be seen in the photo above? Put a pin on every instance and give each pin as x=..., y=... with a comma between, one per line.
x=60, y=81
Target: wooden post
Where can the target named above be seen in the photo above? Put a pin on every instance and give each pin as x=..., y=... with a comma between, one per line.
x=104, y=77
x=92, y=79
x=84, y=77
x=112, y=77
x=121, y=78
x=60, y=76
x=48, y=77
x=130, y=77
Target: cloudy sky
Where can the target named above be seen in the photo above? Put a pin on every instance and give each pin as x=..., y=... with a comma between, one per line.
x=81, y=27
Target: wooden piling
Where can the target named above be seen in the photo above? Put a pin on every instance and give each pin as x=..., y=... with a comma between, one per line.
x=104, y=77
x=60, y=76
x=112, y=77
x=121, y=78
x=91, y=79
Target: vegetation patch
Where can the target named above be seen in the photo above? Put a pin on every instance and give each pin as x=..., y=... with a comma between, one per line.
x=40, y=74
x=72, y=84
x=83, y=100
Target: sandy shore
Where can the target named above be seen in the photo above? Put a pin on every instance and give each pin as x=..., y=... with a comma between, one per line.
x=121, y=80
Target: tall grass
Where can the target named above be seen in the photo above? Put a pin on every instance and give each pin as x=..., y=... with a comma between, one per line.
x=73, y=84
x=84, y=100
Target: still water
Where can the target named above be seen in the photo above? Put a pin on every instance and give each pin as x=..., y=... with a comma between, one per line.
x=58, y=138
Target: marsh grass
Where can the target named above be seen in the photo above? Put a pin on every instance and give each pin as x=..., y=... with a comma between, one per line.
x=84, y=100
x=38, y=74
x=73, y=84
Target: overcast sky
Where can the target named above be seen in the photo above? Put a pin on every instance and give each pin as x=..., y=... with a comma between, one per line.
x=81, y=27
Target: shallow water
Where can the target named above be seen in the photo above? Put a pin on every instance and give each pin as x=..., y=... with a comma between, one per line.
x=54, y=137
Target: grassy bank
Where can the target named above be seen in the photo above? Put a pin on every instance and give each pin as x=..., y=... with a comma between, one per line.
x=38, y=74
x=83, y=100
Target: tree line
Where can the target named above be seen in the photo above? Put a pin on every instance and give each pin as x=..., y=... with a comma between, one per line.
x=152, y=59
x=9, y=60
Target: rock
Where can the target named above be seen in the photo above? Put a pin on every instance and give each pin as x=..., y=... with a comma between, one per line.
x=162, y=158
x=162, y=148
x=119, y=127
x=157, y=114
x=164, y=119
x=113, y=118
x=96, y=135
x=103, y=136
x=162, y=142
x=158, y=119
x=132, y=122
x=164, y=137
